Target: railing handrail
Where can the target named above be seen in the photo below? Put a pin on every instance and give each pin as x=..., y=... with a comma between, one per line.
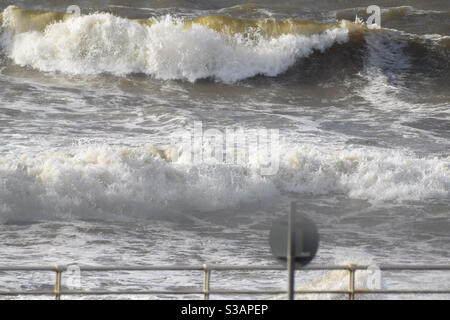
x=206, y=291
x=275, y=267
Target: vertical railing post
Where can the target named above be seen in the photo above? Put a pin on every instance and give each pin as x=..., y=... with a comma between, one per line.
x=351, y=282
x=291, y=251
x=206, y=282
x=58, y=283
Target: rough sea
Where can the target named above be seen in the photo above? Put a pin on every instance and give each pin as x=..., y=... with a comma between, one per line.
x=176, y=132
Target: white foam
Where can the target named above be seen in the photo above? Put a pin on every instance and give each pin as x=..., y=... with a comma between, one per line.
x=371, y=174
x=103, y=43
x=97, y=181
x=102, y=181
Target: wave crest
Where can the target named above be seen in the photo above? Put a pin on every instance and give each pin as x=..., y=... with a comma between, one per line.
x=167, y=48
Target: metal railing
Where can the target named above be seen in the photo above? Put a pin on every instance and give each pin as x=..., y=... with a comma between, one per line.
x=206, y=291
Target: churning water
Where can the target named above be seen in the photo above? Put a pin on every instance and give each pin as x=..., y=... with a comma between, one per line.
x=91, y=172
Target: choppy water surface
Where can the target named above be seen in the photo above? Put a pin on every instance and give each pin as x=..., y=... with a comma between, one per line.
x=90, y=172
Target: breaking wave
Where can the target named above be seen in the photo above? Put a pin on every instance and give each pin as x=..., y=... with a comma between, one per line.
x=168, y=48
x=221, y=48
x=98, y=181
